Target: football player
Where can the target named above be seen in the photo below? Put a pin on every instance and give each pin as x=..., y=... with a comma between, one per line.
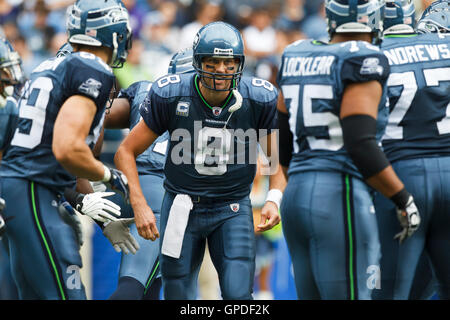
x=417, y=143
x=11, y=80
x=331, y=122
x=208, y=173
x=139, y=275
x=60, y=115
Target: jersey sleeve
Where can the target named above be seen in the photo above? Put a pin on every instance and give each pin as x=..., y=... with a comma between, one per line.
x=155, y=112
x=8, y=117
x=83, y=79
x=129, y=93
x=365, y=67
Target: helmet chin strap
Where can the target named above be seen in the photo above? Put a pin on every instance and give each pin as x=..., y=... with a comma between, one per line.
x=235, y=107
x=115, y=45
x=7, y=92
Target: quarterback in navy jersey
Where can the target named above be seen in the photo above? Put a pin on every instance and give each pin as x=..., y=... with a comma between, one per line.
x=214, y=118
x=417, y=143
x=335, y=108
x=60, y=115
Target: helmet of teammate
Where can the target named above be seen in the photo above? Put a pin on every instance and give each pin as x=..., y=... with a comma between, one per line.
x=11, y=72
x=101, y=23
x=65, y=49
x=355, y=16
x=435, y=18
x=181, y=62
x=219, y=40
x=399, y=17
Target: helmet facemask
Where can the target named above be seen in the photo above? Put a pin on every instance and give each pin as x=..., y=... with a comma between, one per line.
x=215, y=76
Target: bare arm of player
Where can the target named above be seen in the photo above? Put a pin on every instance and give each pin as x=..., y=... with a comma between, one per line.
x=363, y=99
x=136, y=142
x=71, y=128
x=83, y=186
x=118, y=116
x=269, y=213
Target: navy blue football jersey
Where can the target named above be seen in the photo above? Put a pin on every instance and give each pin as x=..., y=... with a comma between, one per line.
x=419, y=96
x=312, y=77
x=207, y=155
x=30, y=155
x=151, y=160
x=8, y=119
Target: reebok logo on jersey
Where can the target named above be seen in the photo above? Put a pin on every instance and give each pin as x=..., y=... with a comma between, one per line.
x=182, y=109
x=216, y=111
x=371, y=66
x=91, y=87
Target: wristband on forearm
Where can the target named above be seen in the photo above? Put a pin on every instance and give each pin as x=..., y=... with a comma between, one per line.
x=401, y=198
x=275, y=196
x=106, y=174
x=74, y=198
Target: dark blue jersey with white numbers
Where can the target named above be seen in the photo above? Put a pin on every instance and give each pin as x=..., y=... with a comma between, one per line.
x=204, y=159
x=30, y=155
x=419, y=96
x=312, y=77
x=151, y=160
x=8, y=120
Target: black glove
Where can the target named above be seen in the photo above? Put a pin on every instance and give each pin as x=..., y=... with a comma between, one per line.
x=118, y=182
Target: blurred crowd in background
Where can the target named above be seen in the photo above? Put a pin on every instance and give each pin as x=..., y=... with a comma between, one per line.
x=36, y=29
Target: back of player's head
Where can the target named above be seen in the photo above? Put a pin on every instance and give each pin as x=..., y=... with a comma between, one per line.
x=355, y=16
x=11, y=72
x=435, y=18
x=101, y=23
x=218, y=40
x=181, y=62
x=65, y=49
x=399, y=17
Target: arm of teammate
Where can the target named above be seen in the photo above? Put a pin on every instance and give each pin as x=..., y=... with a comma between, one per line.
x=359, y=109
x=136, y=142
x=270, y=211
x=118, y=116
x=70, y=131
x=70, y=149
x=286, y=139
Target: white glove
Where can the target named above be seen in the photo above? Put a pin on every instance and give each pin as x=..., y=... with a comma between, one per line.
x=118, y=233
x=409, y=219
x=95, y=206
x=98, y=186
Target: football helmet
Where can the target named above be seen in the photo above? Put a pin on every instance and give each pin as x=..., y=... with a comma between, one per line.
x=435, y=18
x=11, y=70
x=101, y=23
x=355, y=16
x=399, y=17
x=219, y=40
x=181, y=62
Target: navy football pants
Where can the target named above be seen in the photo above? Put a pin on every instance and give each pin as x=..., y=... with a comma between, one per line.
x=43, y=249
x=331, y=232
x=231, y=243
x=144, y=265
x=428, y=180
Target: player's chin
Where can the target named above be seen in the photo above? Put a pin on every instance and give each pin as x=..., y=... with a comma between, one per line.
x=222, y=84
